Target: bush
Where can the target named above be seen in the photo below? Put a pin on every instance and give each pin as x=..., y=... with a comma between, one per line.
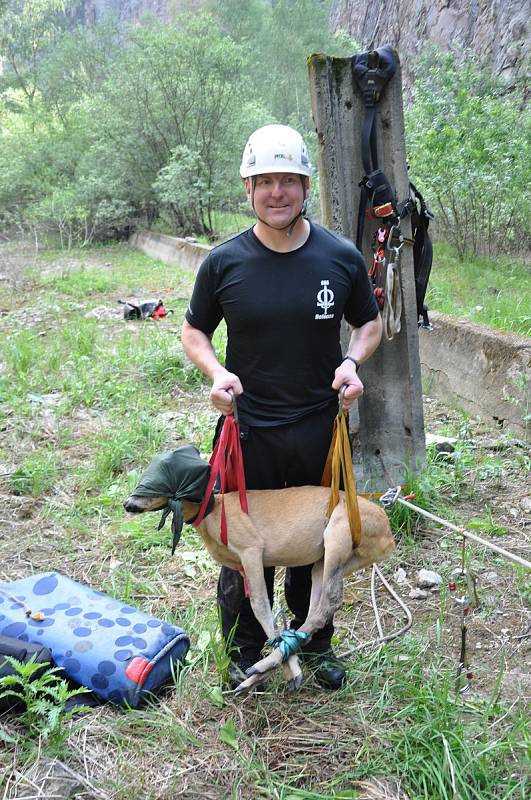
x=468, y=140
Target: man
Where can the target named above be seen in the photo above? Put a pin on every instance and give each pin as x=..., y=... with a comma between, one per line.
x=282, y=288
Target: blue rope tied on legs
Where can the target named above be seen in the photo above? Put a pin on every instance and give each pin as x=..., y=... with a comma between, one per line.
x=288, y=642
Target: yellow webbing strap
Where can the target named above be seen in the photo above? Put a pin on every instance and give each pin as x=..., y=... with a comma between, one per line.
x=339, y=464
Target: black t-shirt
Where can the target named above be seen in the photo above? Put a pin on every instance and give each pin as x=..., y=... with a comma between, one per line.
x=283, y=313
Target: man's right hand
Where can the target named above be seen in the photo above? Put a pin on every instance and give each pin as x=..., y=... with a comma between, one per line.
x=220, y=396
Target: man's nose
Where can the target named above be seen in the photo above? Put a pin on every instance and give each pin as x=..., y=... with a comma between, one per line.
x=277, y=187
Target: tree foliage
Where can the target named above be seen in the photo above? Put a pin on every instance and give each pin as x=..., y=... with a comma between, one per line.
x=120, y=125
x=468, y=141
x=107, y=127
x=29, y=28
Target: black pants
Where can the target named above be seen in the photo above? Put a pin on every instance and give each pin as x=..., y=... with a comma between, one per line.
x=286, y=455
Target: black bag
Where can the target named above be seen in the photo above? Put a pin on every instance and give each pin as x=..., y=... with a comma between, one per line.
x=151, y=309
x=21, y=651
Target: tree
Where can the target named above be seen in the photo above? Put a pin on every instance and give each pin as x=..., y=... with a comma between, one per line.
x=468, y=142
x=29, y=28
x=166, y=118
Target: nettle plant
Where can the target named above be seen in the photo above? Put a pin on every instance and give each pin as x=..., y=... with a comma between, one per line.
x=41, y=695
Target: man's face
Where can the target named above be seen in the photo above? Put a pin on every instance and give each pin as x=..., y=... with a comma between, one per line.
x=278, y=197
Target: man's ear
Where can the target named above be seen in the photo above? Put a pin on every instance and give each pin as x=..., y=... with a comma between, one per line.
x=248, y=187
x=307, y=183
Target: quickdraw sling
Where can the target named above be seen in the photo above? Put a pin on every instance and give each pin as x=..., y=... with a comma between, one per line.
x=338, y=469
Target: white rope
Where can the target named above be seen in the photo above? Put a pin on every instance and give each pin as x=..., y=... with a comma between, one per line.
x=467, y=534
x=376, y=571
x=382, y=637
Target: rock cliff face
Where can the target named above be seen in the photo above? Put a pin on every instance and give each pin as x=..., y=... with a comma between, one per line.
x=497, y=30
x=125, y=10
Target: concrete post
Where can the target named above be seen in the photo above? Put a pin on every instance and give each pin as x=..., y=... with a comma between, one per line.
x=388, y=430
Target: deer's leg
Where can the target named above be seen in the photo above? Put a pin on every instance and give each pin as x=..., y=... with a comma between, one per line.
x=252, y=562
x=327, y=575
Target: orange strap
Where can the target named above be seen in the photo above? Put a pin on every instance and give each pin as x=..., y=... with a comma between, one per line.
x=339, y=465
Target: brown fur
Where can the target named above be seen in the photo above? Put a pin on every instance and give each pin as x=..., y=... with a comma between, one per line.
x=288, y=527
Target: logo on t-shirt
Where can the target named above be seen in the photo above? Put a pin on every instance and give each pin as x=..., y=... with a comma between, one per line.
x=325, y=300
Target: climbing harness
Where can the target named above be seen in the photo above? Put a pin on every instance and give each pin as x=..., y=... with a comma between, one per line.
x=226, y=464
x=371, y=72
x=339, y=467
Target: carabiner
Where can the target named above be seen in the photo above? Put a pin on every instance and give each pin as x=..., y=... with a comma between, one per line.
x=389, y=246
x=342, y=398
x=234, y=405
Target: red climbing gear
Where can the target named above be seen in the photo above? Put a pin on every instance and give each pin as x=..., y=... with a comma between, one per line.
x=226, y=464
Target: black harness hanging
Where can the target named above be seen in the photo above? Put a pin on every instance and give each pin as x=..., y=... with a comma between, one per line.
x=371, y=72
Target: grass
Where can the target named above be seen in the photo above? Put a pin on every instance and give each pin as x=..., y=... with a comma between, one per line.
x=86, y=401
x=493, y=293
x=35, y=474
x=225, y=223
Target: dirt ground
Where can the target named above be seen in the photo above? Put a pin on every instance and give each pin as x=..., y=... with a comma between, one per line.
x=496, y=493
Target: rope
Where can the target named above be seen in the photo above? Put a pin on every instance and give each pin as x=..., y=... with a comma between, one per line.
x=38, y=616
x=463, y=532
x=381, y=636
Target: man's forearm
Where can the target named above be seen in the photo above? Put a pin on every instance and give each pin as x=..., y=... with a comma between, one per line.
x=198, y=347
x=365, y=340
x=225, y=384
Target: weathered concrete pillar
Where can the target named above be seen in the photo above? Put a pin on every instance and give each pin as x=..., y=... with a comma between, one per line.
x=388, y=436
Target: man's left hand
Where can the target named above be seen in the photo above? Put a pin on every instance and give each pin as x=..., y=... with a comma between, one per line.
x=347, y=374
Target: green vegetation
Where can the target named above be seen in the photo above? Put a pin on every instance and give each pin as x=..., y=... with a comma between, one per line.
x=469, y=146
x=494, y=293
x=42, y=695
x=106, y=127
x=86, y=400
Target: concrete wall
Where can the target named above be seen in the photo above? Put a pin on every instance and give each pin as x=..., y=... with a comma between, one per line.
x=485, y=372
x=170, y=249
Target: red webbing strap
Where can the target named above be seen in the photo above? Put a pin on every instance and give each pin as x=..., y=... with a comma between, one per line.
x=226, y=464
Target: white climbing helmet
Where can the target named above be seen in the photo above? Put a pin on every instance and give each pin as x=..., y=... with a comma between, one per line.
x=275, y=148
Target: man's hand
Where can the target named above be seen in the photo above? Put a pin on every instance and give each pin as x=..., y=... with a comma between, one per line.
x=347, y=374
x=219, y=393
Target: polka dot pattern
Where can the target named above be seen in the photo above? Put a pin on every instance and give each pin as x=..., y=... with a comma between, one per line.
x=45, y=585
x=97, y=640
